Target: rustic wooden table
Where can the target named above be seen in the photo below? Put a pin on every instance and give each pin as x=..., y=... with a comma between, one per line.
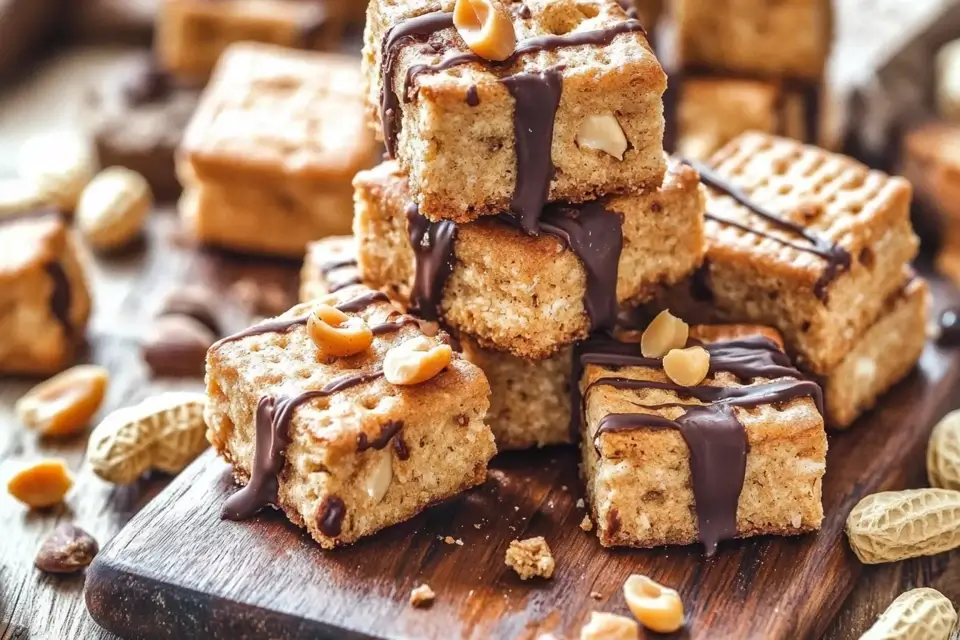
x=128, y=290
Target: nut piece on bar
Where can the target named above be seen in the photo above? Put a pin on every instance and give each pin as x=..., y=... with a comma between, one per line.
x=790, y=38
x=357, y=454
x=268, y=158
x=480, y=138
x=528, y=400
x=529, y=296
x=44, y=299
x=649, y=479
x=192, y=35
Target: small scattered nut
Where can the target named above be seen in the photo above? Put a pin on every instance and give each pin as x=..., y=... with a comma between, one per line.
x=41, y=484
x=666, y=332
x=657, y=607
x=67, y=549
x=602, y=133
x=422, y=596
x=918, y=613
x=416, y=360
x=113, y=208
x=530, y=558
x=19, y=196
x=64, y=404
x=164, y=432
x=59, y=165
x=176, y=346
x=609, y=626
x=336, y=334
x=943, y=453
x=895, y=525
x=687, y=367
x=486, y=27
x=381, y=475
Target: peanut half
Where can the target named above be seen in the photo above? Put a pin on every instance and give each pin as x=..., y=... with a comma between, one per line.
x=943, y=453
x=895, y=525
x=918, y=613
x=336, y=334
x=666, y=332
x=609, y=626
x=416, y=360
x=486, y=27
x=687, y=367
x=113, y=208
x=602, y=133
x=41, y=484
x=657, y=607
x=63, y=405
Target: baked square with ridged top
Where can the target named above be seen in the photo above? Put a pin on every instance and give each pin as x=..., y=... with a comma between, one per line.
x=458, y=131
x=351, y=453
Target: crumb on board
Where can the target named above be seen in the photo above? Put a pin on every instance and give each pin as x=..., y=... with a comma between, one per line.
x=530, y=558
x=586, y=524
x=580, y=503
x=422, y=596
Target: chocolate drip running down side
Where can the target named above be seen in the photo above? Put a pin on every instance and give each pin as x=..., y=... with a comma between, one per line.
x=433, y=245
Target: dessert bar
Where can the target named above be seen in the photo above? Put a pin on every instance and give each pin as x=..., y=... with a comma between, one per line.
x=740, y=454
x=529, y=295
x=269, y=155
x=327, y=439
x=44, y=299
x=573, y=114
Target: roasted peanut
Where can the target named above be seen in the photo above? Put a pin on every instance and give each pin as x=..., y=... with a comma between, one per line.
x=666, y=332
x=113, y=208
x=943, y=453
x=657, y=607
x=895, y=525
x=486, y=27
x=67, y=549
x=602, y=133
x=609, y=626
x=416, y=360
x=918, y=613
x=687, y=367
x=64, y=404
x=60, y=165
x=41, y=484
x=336, y=334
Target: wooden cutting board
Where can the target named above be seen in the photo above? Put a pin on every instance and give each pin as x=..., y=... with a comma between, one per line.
x=178, y=571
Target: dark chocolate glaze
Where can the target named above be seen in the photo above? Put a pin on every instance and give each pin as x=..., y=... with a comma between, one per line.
x=433, y=244
x=61, y=297
x=350, y=275
x=389, y=430
x=336, y=285
x=394, y=325
x=330, y=516
x=949, y=324
x=273, y=417
x=473, y=98
x=400, y=447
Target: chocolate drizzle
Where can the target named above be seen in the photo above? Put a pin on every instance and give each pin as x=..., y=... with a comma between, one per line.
x=473, y=98
x=350, y=277
x=837, y=258
x=433, y=244
x=390, y=429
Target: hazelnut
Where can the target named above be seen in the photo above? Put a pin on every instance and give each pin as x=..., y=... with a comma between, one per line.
x=64, y=404
x=657, y=607
x=666, y=332
x=602, y=133
x=486, y=27
x=336, y=334
x=687, y=367
x=416, y=360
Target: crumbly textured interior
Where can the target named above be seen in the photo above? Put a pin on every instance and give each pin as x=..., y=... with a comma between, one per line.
x=523, y=294
x=885, y=353
x=639, y=485
x=191, y=36
x=714, y=111
x=530, y=558
x=443, y=429
x=34, y=340
x=462, y=160
x=756, y=279
x=790, y=38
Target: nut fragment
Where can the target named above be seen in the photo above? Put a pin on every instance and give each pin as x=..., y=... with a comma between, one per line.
x=67, y=549
x=381, y=475
x=113, y=208
x=602, y=133
x=422, y=596
x=943, y=453
x=918, y=613
x=164, y=432
x=657, y=607
x=895, y=525
x=530, y=558
x=41, y=484
x=59, y=165
x=687, y=367
x=336, y=334
x=486, y=27
x=666, y=332
x=416, y=360
x=176, y=346
x=609, y=626
x=64, y=404
x=18, y=196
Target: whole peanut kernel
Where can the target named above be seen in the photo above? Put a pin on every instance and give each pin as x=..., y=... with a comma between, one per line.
x=486, y=27
x=113, y=208
x=41, y=484
x=609, y=626
x=336, y=334
x=657, y=607
x=664, y=333
x=687, y=367
x=943, y=453
x=416, y=360
x=918, y=613
x=602, y=133
x=64, y=404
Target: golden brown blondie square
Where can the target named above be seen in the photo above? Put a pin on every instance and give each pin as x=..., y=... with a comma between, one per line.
x=480, y=138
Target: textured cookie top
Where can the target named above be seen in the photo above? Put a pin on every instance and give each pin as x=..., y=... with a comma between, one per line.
x=330, y=265
x=30, y=241
x=832, y=197
x=279, y=111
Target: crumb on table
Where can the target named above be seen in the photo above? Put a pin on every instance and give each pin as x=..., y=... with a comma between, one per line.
x=586, y=524
x=530, y=558
x=422, y=596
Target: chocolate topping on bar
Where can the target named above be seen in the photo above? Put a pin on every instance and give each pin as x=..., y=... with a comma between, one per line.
x=432, y=244
x=330, y=516
x=61, y=296
x=949, y=325
x=390, y=429
x=473, y=98
x=350, y=276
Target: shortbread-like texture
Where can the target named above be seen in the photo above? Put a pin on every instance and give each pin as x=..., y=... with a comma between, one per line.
x=525, y=294
x=191, y=35
x=885, y=353
x=462, y=159
x=529, y=404
x=790, y=38
x=639, y=483
x=269, y=155
x=759, y=279
x=44, y=299
x=337, y=450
